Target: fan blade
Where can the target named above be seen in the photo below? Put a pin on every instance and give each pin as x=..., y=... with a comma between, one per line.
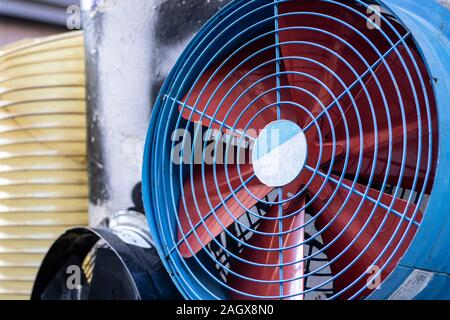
x=272, y=273
x=314, y=59
x=333, y=224
x=220, y=105
x=197, y=222
x=402, y=133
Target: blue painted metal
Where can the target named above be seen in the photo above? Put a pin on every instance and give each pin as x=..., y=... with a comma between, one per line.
x=163, y=184
x=429, y=22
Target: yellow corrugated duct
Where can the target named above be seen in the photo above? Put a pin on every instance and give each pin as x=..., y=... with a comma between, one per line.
x=43, y=178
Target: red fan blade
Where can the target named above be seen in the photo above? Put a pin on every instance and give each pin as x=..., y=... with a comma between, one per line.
x=199, y=95
x=401, y=131
x=272, y=273
x=323, y=149
x=190, y=216
x=296, y=29
x=341, y=223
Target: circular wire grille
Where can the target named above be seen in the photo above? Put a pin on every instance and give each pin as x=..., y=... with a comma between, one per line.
x=351, y=76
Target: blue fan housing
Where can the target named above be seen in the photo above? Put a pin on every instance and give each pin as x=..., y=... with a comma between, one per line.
x=422, y=273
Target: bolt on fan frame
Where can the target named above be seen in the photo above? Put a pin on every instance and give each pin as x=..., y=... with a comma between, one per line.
x=426, y=252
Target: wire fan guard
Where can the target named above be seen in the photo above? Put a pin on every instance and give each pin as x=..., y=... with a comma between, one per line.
x=351, y=75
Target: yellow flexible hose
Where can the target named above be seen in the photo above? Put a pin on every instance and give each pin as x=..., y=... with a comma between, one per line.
x=43, y=177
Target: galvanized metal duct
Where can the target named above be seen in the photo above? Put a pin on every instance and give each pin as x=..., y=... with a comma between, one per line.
x=43, y=180
x=131, y=47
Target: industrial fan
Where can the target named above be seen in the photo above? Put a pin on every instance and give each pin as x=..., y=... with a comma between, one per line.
x=293, y=153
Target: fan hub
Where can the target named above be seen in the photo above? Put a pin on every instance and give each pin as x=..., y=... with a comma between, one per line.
x=279, y=153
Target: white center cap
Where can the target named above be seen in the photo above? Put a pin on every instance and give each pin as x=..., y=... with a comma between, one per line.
x=279, y=153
